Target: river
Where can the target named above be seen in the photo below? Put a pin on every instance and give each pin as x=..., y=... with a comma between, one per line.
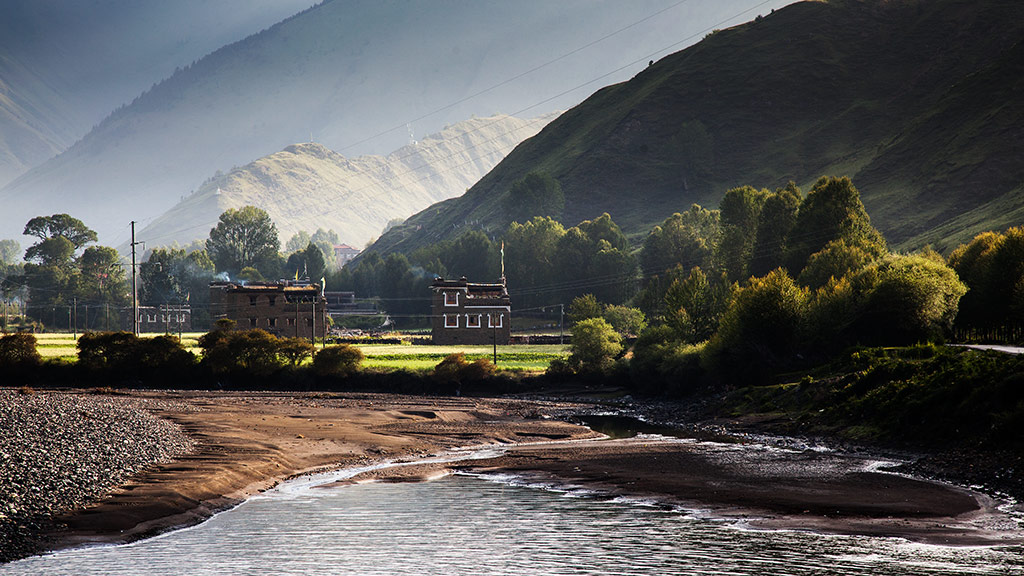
x=484, y=525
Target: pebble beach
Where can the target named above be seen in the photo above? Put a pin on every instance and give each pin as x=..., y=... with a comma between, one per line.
x=60, y=451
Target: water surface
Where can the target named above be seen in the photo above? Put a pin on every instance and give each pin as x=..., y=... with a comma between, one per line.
x=489, y=526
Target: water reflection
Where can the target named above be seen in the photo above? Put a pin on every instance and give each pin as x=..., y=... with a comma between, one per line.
x=468, y=525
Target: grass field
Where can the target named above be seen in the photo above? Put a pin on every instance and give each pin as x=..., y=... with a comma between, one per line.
x=60, y=345
x=524, y=358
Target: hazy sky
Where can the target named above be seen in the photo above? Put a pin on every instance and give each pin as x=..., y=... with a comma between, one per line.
x=103, y=53
x=358, y=78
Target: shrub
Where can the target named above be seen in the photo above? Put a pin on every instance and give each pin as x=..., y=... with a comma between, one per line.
x=295, y=350
x=454, y=369
x=905, y=299
x=337, y=360
x=254, y=351
x=19, y=350
x=594, y=345
x=123, y=352
x=447, y=370
x=111, y=350
x=625, y=320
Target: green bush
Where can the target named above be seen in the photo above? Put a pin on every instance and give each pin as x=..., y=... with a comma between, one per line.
x=337, y=360
x=454, y=370
x=254, y=351
x=594, y=345
x=126, y=355
x=19, y=350
x=106, y=350
x=295, y=350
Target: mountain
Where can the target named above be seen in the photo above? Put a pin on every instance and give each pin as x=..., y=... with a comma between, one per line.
x=308, y=186
x=64, y=65
x=921, y=103
x=360, y=77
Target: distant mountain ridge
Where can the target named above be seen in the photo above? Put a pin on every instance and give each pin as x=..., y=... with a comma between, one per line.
x=65, y=65
x=349, y=74
x=308, y=186
x=921, y=103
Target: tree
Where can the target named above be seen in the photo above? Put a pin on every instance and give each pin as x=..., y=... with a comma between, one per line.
x=837, y=259
x=295, y=350
x=776, y=221
x=625, y=320
x=244, y=237
x=337, y=360
x=315, y=264
x=584, y=308
x=694, y=305
x=740, y=214
x=474, y=256
x=325, y=240
x=297, y=242
x=536, y=194
x=19, y=351
x=57, y=251
x=688, y=238
x=530, y=250
x=973, y=264
x=831, y=211
x=594, y=345
x=62, y=225
x=903, y=299
x=10, y=252
x=763, y=325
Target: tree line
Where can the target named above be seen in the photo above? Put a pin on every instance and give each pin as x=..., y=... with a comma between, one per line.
x=64, y=282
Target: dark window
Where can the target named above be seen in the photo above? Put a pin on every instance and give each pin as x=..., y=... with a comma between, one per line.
x=273, y=300
x=252, y=300
x=272, y=322
x=291, y=321
x=252, y=322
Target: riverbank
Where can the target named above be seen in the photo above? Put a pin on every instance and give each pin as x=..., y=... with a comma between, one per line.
x=243, y=443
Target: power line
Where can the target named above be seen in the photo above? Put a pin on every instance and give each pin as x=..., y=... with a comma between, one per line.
x=545, y=100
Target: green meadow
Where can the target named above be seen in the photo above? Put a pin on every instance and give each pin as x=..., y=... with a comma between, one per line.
x=414, y=358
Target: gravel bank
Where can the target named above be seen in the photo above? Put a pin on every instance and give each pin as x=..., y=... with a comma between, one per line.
x=59, y=451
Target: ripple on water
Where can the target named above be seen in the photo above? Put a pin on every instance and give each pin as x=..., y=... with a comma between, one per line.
x=464, y=525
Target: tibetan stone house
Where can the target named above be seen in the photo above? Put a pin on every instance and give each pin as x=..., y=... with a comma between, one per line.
x=464, y=312
x=287, y=309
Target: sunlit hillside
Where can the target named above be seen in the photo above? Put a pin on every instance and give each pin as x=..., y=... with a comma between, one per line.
x=308, y=186
x=918, y=102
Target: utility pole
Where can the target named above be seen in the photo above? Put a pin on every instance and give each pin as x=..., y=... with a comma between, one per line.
x=135, y=301
x=494, y=337
x=561, y=318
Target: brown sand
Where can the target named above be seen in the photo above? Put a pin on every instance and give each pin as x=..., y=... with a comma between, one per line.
x=248, y=442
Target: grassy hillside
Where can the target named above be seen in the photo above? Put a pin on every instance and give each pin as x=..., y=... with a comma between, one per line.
x=358, y=77
x=308, y=186
x=917, y=101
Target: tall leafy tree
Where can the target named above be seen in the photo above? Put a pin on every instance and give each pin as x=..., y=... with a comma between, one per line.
x=63, y=225
x=297, y=242
x=688, y=238
x=474, y=256
x=695, y=304
x=992, y=266
x=832, y=210
x=740, y=214
x=536, y=194
x=775, y=222
x=10, y=252
x=244, y=237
